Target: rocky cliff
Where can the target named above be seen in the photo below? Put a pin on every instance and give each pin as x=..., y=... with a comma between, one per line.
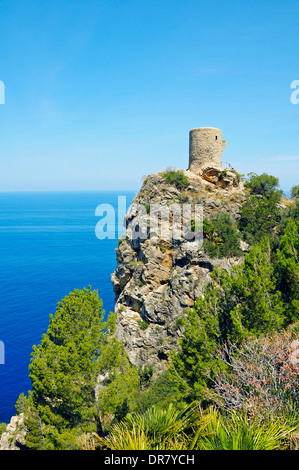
x=156, y=279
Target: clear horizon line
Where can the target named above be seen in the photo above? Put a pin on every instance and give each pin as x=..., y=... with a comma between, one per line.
x=63, y=190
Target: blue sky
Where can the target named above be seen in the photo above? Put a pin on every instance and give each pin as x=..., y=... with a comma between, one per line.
x=99, y=93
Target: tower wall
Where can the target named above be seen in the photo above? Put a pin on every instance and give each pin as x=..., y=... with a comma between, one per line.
x=205, y=148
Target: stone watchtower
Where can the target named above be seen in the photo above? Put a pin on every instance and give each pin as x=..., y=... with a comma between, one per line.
x=205, y=148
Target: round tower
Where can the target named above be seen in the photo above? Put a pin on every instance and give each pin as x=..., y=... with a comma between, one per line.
x=205, y=148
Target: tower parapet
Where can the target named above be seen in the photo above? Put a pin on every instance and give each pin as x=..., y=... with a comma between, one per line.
x=205, y=148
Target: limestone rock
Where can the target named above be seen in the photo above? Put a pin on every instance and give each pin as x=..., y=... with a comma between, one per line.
x=14, y=436
x=157, y=278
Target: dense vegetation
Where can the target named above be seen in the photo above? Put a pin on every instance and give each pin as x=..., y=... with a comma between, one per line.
x=66, y=399
x=221, y=237
x=261, y=215
x=234, y=383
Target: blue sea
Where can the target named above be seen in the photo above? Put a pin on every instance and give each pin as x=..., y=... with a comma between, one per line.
x=48, y=247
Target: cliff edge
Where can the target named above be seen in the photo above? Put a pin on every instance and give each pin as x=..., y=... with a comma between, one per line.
x=157, y=278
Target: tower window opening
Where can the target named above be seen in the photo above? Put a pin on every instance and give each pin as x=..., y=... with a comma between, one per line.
x=216, y=137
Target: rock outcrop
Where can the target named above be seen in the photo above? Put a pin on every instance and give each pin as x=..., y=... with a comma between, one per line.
x=156, y=278
x=14, y=436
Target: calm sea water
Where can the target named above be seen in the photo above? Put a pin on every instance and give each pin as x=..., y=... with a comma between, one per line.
x=48, y=247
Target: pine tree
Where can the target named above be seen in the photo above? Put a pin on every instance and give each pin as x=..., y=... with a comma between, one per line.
x=257, y=302
x=35, y=438
x=67, y=399
x=118, y=390
x=63, y=367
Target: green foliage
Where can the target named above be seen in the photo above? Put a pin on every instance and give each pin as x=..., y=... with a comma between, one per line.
x=238, y=431
x=145, y=375
x=239, y=176
x=77, y=349
x=160, y=392
x=195, y=429
x=221, y=237
x=190, y=367
x=2, y=428
x=259, y=217
x=153, y=430
x=143, y=324
x=295, y=191
x=257, y=305
x=287, y=269
x=63, y=367
x=118, y=392
x=121, y=438
x=294, y=210
x=258, y=297
x=234, y=307
x=264, y=185
x=176, y=178
x=37, y=437
x=21, y=404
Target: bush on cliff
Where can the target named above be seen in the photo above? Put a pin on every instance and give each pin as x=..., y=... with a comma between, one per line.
x=221, y=237
x=264, y=185
x=176, y=178
x=261, y=214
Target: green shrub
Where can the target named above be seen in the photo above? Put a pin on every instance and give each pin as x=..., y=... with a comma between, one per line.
x=259, y=217
x=221, y=238
x=145, y=375
x=176, y=178
x=160, y=392
x=2, y=428
x=295, y=192
x=143, y=325
x=263, y=185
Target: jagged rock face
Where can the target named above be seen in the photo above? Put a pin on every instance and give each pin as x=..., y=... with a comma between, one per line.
x=219, y=177
x=157, y=279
